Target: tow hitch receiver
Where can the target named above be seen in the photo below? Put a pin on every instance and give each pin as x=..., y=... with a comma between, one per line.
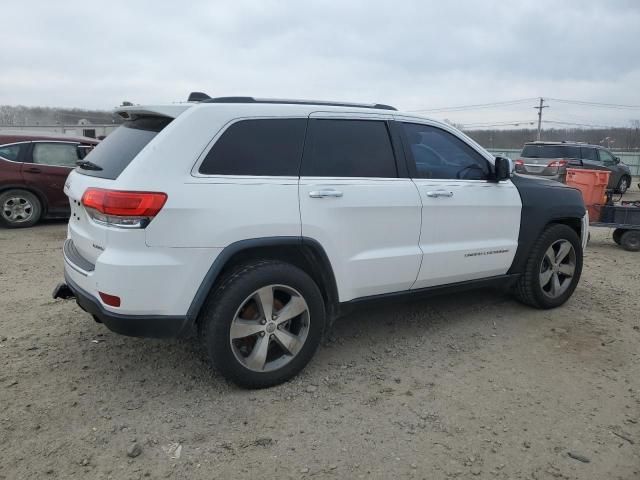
x=63, y=291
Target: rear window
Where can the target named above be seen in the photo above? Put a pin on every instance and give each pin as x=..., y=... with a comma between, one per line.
x=550, y=151
x=116, y=151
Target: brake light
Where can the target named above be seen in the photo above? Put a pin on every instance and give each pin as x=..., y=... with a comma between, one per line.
x=558, y=163
x=123, y=209
x=519, y=162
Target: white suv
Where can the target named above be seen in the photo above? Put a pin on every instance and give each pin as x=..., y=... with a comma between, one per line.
x=260, y=221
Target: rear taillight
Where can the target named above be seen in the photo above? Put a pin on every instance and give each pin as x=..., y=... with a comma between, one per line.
x=519, y=162
x=122, y=209
x=557, y=163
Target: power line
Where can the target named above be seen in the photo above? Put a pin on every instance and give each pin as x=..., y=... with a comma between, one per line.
x=514, y=123
x=473, y=107
x=595, y=104
x=580, y=124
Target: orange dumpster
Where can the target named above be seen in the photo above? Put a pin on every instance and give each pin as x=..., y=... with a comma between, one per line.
x=592, y=184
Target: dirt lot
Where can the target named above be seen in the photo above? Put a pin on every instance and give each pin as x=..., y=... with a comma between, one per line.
x=472, y=386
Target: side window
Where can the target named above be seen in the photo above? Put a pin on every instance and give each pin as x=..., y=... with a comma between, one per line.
x=348, y=148
x=589, y=154
x=10, y=152
x=56, y=154
x=258, y=147
x=439, y=154
x=606, y=157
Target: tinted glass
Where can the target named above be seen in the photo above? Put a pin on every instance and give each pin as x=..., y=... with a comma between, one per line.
x=589, y=154
x=116, y=151
x=348, y=148
x=551, y=151
x=605, y=157
x=258, y=147
x=10, y=152
x=439, y=154
x=55, y=154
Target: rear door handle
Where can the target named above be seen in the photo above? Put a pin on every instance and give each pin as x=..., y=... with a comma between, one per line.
x=32, y=170
x=439, y=193
x=325, y=193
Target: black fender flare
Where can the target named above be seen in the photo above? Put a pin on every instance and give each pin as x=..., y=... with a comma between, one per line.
x=304, y=243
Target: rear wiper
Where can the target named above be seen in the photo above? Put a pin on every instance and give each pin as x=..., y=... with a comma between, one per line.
x=87, y=165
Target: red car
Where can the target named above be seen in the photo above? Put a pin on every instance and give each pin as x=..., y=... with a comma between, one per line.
x=33, y=169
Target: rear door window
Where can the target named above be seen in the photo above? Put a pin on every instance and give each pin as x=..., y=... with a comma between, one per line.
x=55, y=154
x=261, y=147
x=10, y=152
x=117, y=151
x=348, y=148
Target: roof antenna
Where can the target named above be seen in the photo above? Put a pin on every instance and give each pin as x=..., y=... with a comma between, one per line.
x=198, y=97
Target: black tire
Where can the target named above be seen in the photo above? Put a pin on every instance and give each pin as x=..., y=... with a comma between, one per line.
x=623, y=184
x=630, y=240
x=232, y=295
x=617, y=235
x=529, y=290
x=28, y=207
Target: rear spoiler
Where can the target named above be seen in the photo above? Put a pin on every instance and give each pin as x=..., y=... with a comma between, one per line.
x=171, y=111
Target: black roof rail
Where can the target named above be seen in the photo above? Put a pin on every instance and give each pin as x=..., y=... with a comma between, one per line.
x=204, y=98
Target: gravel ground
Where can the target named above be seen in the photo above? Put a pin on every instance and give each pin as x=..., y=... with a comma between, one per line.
x=466, y=386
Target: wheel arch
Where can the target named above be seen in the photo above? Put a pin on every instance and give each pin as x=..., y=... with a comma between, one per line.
x=305, y=253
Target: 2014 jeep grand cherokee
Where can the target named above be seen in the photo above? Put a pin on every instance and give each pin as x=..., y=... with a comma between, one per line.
x=259, y=221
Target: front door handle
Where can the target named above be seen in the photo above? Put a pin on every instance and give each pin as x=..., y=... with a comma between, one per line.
x=439, y=193
x=32, y=170
x=325, y=193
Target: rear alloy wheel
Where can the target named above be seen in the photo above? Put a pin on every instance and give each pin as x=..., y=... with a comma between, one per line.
x=623, y=185
x=19, y=208
x=263, y=324
x=630, y=240
x=553, y=269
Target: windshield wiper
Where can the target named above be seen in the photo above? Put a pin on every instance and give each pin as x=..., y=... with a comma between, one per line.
x=87, y=165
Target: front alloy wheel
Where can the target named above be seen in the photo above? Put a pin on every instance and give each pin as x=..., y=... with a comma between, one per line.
x=557, y=269
x=552, y=271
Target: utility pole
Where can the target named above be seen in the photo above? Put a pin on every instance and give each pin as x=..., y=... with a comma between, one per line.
x=539, y=108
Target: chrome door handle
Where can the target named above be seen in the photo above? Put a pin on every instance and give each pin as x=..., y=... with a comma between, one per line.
x=439, y=193
x=325, y=193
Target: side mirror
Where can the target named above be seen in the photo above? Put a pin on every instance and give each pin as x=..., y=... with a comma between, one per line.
x=502, y=168
x=616, y=160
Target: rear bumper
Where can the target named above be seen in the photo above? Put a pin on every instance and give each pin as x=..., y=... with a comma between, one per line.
x=152, y=326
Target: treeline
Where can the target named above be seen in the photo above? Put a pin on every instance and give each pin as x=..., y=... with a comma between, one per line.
x=31, y=116
x=615, y=138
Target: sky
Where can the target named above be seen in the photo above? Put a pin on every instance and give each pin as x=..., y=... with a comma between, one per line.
x=416, y=55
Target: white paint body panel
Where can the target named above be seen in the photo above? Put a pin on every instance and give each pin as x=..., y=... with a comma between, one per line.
x=471, y=235
x=370, y=233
